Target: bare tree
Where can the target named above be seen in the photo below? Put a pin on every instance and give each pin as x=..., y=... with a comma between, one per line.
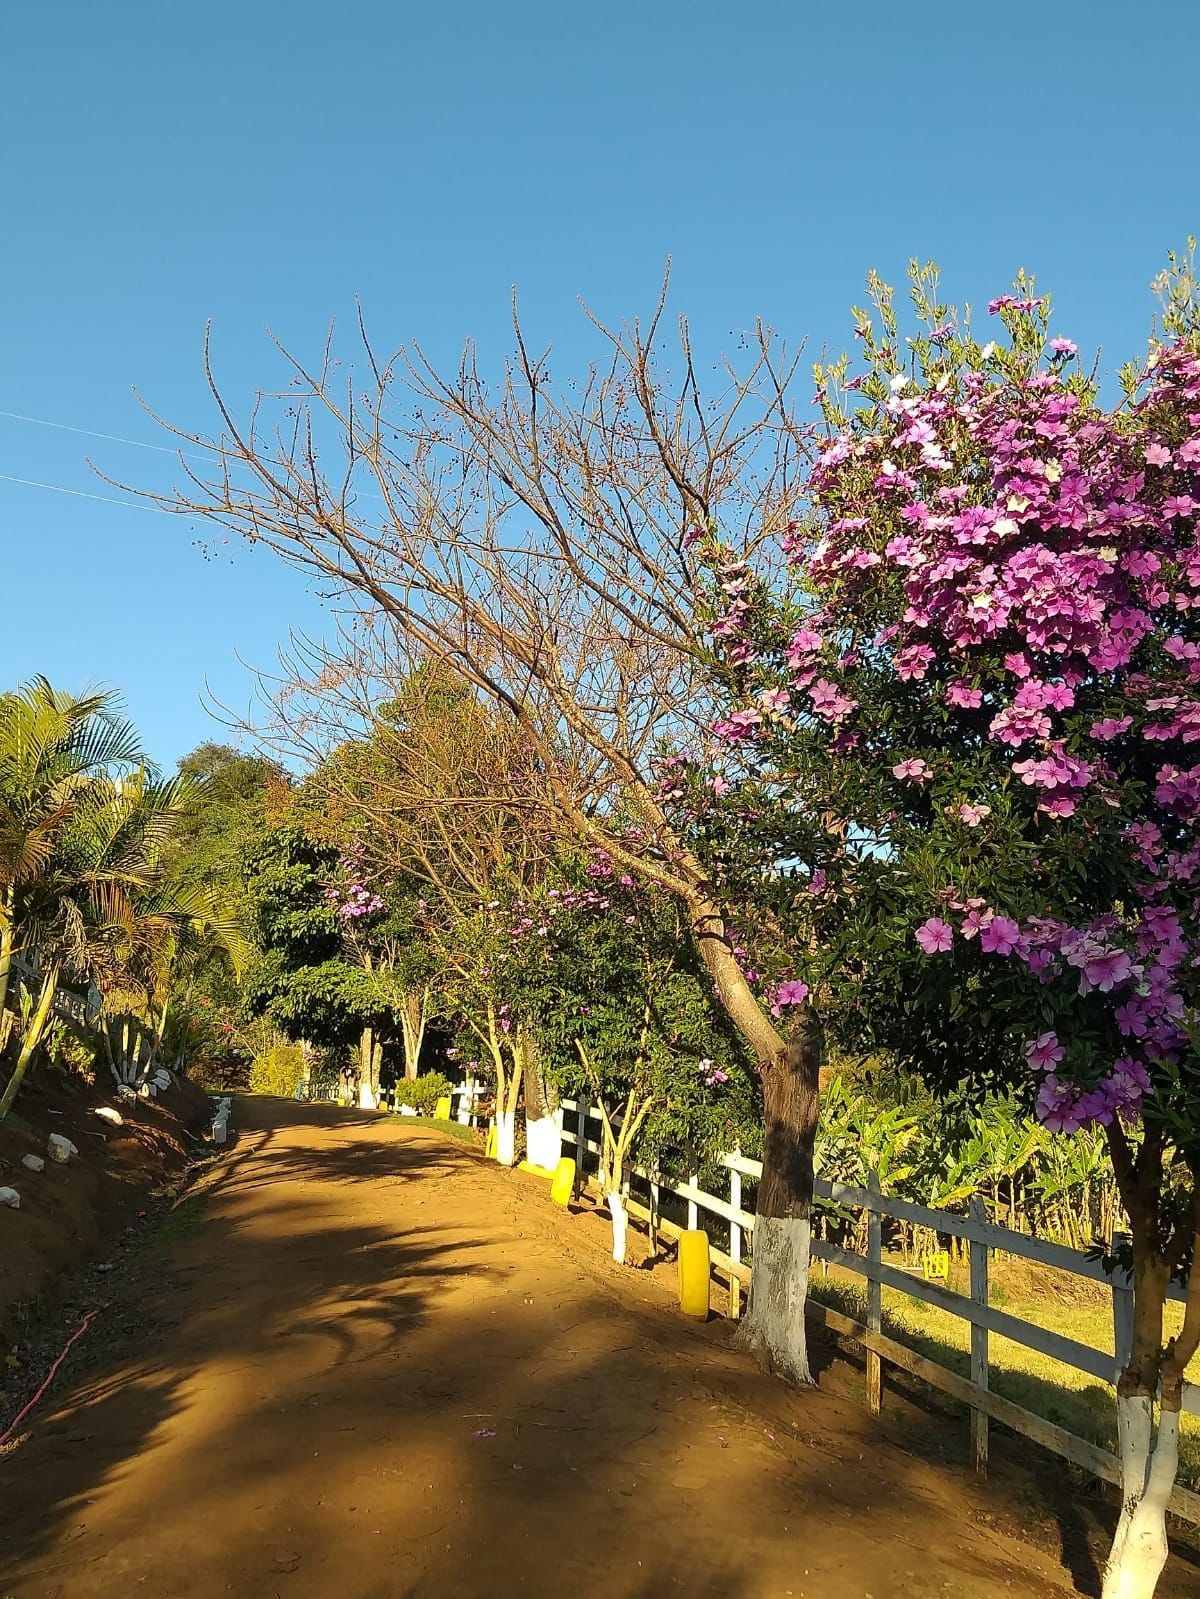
x=543, y=546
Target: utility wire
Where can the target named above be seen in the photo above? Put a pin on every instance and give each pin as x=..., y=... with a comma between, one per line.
x=91, y=433
x=81, y=494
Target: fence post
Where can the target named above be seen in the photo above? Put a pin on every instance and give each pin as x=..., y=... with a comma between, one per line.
x=655, y=1203
x=735, y=1241
x=1122, y=1297
x=874, y=1300
x=979, y=1339
x=581, y=1119
x=693, y=1208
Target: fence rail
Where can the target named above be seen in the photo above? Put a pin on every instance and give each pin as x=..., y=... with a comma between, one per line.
x=68, y=1003
x=983, y=1239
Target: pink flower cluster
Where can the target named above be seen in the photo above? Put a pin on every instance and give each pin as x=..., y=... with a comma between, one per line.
x=350, y=896
x=1036, y=560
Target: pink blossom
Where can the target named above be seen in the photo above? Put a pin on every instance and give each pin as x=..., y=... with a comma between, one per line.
x=914, y=661
x=935, y=936
x=1000, y=937
x=1044, y=1052
x=1106, y=968
x=914, y=770
x=961, y=693
x=789, y=993
x=972, y=815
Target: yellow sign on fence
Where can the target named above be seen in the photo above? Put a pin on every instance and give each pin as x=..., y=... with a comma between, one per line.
x=935, y=1263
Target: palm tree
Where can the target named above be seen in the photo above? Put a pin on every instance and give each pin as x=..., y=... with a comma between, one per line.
x=100, y=908
x=56, y=750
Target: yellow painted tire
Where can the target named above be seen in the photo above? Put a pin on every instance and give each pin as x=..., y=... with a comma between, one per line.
x=694, y=1274
x=489, y=1147
x=442, y=1111
x=563, y=1185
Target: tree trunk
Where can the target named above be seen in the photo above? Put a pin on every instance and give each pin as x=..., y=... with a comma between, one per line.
x=6, y=952
x=366, y=1054
x=773, y=1325
x=620, y=1217
x=1149, y=1454
x=543, y=1119
x=412, y=1027
x=37, y=1029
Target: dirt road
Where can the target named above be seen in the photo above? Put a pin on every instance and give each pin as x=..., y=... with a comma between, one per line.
x=385, y=1368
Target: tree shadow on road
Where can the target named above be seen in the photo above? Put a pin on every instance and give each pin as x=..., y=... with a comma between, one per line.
x=393, y=1371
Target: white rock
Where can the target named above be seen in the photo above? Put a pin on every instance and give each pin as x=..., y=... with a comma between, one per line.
x=10, y=1197
x=162, y=1078
x=33, y=1163
x=126, y=1091
x=110, y=1115
x=60, y=1148
x=144, y=1091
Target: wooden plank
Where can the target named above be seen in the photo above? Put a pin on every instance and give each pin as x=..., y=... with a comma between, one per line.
x=1081, y=1356
x=741, y=1163
x=995, y=1237
x=1089, y=1456
x=979, y=1345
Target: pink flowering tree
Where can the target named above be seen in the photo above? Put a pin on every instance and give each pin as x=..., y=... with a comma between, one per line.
x=986, y=685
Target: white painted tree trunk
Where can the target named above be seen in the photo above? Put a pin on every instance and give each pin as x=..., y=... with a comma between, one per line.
x=366, y=1097
x=620, y=1225
x=1149, y=1464
x=506, y=1137
x=543, y=1140
x=774, y=1321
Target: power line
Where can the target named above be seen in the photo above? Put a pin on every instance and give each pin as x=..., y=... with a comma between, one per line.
x=82, y=494
x=91, y=433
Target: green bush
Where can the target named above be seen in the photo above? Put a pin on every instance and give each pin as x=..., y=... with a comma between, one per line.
x=422, y=1093
x=277, y=1070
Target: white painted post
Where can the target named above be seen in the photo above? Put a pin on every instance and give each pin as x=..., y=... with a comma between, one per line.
x=581, y=1110
x=735, y=1242
x=874, y=1300
x=693, y=1208
x=979, y=1339
x=655, y=1211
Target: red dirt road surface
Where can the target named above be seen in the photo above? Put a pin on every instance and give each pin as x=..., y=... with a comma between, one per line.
x=382, y=1367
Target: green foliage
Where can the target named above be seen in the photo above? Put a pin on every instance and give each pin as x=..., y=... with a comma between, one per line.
x=316, y=979
x=422, y=1093
x=278, y=1071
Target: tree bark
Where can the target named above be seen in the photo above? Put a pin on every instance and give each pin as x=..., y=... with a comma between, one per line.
x=1149, y=1454
x=7, y=936
x=543, y=1120
x=774, y=1322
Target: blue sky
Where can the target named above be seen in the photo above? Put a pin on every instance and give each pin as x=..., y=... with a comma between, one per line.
x=261, y=164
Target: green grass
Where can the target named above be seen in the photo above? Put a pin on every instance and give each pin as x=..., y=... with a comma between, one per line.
x=465, y=1135
x=183, y=1220
x=1037, y=1383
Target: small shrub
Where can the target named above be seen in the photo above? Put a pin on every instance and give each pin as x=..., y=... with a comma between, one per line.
x=422, y=1093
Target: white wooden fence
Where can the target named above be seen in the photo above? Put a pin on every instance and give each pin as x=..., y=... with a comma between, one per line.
x=983, y=1238
x=76, y=1007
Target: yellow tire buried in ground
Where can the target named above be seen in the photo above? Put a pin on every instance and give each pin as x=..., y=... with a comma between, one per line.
x=563, y=1185
x=694, y=1274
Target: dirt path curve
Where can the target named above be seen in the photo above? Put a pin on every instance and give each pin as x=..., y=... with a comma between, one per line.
x=387, y=1368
